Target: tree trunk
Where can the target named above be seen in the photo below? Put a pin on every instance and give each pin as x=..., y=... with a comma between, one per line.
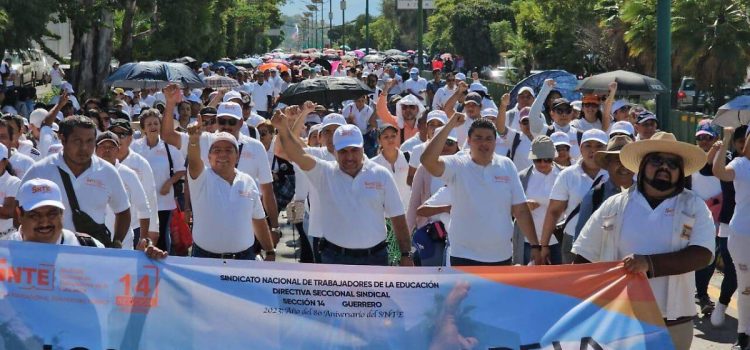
x=125, y=51
x=91, y=54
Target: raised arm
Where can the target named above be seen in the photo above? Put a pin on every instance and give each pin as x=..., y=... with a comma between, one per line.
x=501, y=110
x=450, y=106
x=173, y=95
x=195, y=163
x=537, y=124
x=720, y=161
x=431, y=157
x=50, y=118
x=381, y=109
x=607, y=112
x=298, y=116
x=292, y=149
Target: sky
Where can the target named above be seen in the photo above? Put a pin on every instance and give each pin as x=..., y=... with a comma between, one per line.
x=354, y=8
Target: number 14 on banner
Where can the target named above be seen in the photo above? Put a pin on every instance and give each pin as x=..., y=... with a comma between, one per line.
x=140, y=292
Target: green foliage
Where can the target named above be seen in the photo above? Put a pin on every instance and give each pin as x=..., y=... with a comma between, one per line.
x=24, y=22
x=439, y=29
x=502, y=35
x=471, y=31
x=383, y=33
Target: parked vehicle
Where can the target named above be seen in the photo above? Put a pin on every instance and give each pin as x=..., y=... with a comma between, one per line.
x=40, y=66
x=21, y=63
x=686, y=98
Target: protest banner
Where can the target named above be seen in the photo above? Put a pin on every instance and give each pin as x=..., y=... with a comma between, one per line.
x=61, y=297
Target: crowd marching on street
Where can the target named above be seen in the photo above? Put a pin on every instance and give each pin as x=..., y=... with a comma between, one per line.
x=412, y=173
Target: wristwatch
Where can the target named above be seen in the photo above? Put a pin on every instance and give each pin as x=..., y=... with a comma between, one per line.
x=276, y=230
x=271, y=252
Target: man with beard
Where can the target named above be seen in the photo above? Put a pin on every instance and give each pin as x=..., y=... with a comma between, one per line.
x=656, y=228
x=408, y=110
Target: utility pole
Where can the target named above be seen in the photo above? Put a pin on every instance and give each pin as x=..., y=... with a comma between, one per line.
x=367, y=27
x=343, y=23
x=330, y=21
x=664, y=61
x=419, y=34
x=314, y=14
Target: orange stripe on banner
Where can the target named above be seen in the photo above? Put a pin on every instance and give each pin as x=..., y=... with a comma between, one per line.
x=604, y=284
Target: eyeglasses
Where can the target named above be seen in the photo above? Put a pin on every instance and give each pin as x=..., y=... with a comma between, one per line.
x=450, y=142
x=227, y=121
x=207, y=122
x=563, y=110
x=590, y=105
x=672, y=163
x=545, y=160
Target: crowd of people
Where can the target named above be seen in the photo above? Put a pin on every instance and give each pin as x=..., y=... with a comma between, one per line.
x=417, y=172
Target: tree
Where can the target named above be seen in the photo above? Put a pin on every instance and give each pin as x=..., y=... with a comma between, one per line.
x=471, y=31
x=25, y=22
x=383, y=33
x=438, y=36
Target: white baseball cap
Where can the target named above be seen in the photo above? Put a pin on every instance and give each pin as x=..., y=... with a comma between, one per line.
x=204, y=65
x=460, y=76
x=230, y=95
x=67, y=87
x=347, y=136
x=313, y=118
x=3, y=152
x=560, y=138
x=577, y=105
x=223, y=136
x=315, y=129
x=474, y=87
x=414, y=70
x=619, y=104
x=129, y=93
x=333, y=119
x=194, y=99
x=527, y=89
x=229, y=109
x=37, y=117
x=452, y=135
x=37, y=193
x=622, y=127
x=437, y=115
x=595, y=135
x=489, y=113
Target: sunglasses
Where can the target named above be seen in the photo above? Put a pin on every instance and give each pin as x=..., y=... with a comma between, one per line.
x=590, y=105
x=564, y=110
x=545, y=160
x=227, y=121
x=672, y=163
x=408, y=106
x=704, y=138
x=207, y=122
x=450, y=142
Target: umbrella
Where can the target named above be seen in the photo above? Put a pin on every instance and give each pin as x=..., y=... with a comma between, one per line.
x=359, y=53
x=332, y=57
x=411, y=52
x=565, y=83
x=153, y=74
x=446, y=56
x=397, y=58
x=628, y=84
x=326, y=91
x=217, y=81
x=373, y=59
x=187, y=60
x=323, y=63
x=228, y=66
x=392, y=52
x=266, y=66
x=345, y=47
x=278, y=61
x=246, y=62
x=734, y=113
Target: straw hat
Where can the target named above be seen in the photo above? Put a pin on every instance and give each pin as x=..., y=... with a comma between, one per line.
x=663, y=142
x=614, y=146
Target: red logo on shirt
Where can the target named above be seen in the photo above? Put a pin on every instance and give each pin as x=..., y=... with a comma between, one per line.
x=245, y=194
x=503, y=179
x=374, y=185
x=94, y=182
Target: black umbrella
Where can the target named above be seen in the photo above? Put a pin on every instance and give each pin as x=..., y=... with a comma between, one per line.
x=331, y=57
x=393, y=52
x=397, y=58
x=153, y=74
x=326, y=91
x=628, y=84
x=323, y=63
x=373, y=59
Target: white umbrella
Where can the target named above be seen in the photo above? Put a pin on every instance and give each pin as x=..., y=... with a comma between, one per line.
x=734, y=113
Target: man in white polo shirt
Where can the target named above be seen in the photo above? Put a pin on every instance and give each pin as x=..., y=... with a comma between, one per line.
x=252, y=155
x=94, y=183
x=486, y=191
x=222, y=198
x=357, y=196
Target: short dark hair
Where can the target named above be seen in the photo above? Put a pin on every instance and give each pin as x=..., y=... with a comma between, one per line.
x=75, y=121
x=14, y=118
x=150, y=112
x=482, y=123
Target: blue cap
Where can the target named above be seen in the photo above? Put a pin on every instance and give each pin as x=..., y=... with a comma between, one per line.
x=705, y=128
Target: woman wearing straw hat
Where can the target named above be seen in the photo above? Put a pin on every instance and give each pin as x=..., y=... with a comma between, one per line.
x=656, y=228
x=738, y=171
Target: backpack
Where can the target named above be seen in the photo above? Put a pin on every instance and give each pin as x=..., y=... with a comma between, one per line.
x=85, y=240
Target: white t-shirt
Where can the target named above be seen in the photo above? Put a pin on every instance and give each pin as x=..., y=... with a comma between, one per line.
x=521, y=157
x=26, y=148
x=260, y=95
x=572, y=185
x=66, y=238
x=56, y=76
x=705, y=186
x=417, y=87
x=441, y=198
x=584, y=125
x=159, y=162
x=399, y=171
x=416, y=154
x=139, y=205
x=361, y=116
x=223, y=212
x=353, y=209
x=96, y=188
x=441, y=97
x=481, y=224
x=20, y=163
x=142, y=169
x=47, y=138
x=315, y=227
x=8, y=188
x=740, y=222
x=254, y=161
x=538, y=189
x=411, y=143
